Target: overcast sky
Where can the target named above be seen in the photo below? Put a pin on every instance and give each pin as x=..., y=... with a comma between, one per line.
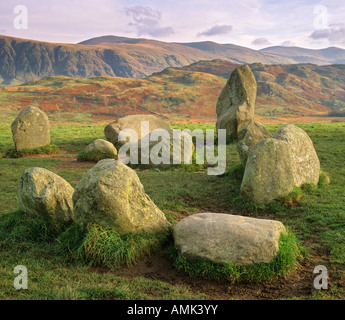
x=251, y=23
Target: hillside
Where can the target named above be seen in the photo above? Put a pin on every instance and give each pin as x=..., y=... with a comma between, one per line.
x=188, y=93
x=177, y=95
x=288, y=89
x=26, y=60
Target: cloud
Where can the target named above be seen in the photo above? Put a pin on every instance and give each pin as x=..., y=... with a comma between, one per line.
x=335, y=33
x=216, y=30
x=147, y=21
x=288, y=43
x=261, y=42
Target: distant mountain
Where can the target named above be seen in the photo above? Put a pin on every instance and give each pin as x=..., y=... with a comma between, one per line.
x=26, y=60
x=239, y=54
x=331, y=55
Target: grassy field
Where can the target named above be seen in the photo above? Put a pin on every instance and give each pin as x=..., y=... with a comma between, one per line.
x=318, y=220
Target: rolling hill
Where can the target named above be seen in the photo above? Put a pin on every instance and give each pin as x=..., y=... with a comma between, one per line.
x=181, y=94
x=296, y=88
x=177, y=95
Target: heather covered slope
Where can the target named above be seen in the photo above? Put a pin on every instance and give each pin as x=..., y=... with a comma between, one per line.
x=295, y=87
x=174, y=94
x=178, y=94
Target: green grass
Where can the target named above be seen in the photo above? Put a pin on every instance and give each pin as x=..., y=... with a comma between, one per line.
x=102, y=247
x=317, y=220
x=280, y=266
x=95, y=156
x=49, y=150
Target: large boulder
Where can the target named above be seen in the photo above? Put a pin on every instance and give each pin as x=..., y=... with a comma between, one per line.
x=100, y=149
x=43, y=192
x=30, y=129
x=111, y=195
x=248, y=136
x=305, y=162
x=269, y=172
x=132, y=122
x=172, y=147
x=236, y=103
x=226, y=238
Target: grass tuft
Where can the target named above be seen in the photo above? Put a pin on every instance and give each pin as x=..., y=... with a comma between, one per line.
x=49, y=150
x=324, y=179
x=293, y=198
x=100, y=246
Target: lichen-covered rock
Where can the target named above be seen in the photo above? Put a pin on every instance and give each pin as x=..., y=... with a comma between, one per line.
x=226, y=238
x=305, y=162
x=248, y=136
x=172, y=147
x=236, y=102
x=269, y=172
x=43, y=192
x=99, y=149
x=30, y=129
x=111, y=195
x=132, y=122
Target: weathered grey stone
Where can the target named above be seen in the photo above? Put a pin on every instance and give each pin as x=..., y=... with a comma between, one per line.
x=172, y=147
x=225, y=238
x=30, y=129
x=45, y=193
x=100, y=148
x=132, y=122
x=236, y=103
x=248, y=136
x=111, y=195
x=269, y=171
x=305, y=162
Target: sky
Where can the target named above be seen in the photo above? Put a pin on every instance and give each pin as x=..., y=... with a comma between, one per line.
x=251, y=23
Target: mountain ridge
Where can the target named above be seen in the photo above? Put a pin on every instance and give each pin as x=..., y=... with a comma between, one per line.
x=23, y=60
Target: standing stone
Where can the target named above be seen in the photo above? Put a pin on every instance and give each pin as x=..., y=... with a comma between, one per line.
x=111, y=195
x=248, y=136
x=236, y=103
x=45, y=193
x=132, y=122
x=269, y=172
x=173, y=147
x=31, y=129
x=306, y=164
x=226, y=238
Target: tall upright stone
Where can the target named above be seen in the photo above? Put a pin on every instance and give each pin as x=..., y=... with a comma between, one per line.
x=236, y=103
x=31, y=129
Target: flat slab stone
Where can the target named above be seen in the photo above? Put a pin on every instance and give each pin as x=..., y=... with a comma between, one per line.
x=226, y=238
